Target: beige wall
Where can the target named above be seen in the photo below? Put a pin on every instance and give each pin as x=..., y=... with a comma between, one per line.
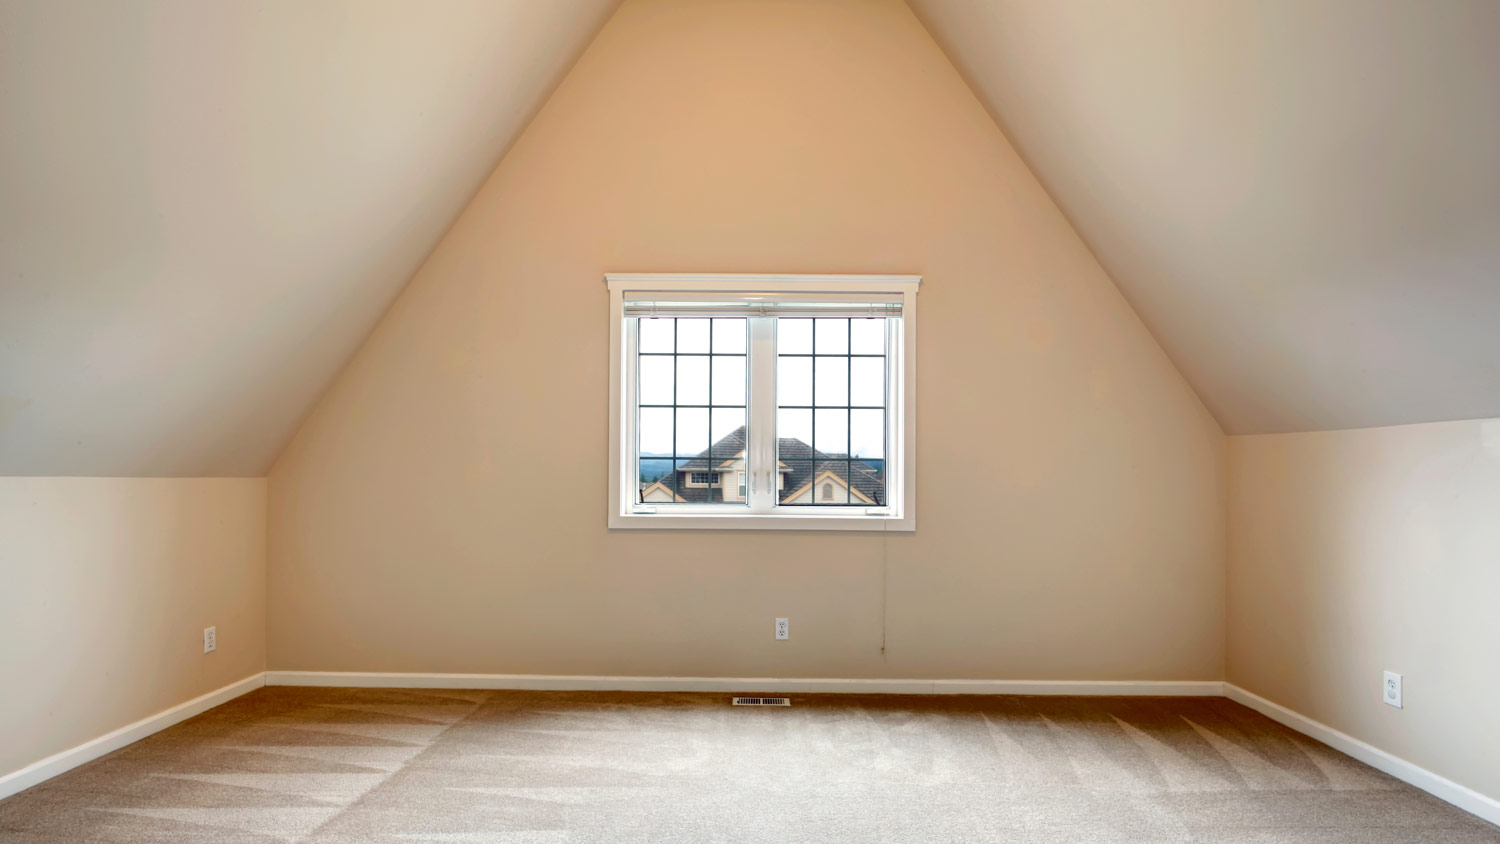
x=106, y=585
x=1356, y=552
x=443, y=508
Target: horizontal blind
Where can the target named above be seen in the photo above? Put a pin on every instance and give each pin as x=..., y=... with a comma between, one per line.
x=677, y=303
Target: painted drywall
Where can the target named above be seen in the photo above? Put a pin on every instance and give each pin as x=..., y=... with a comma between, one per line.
x=1357, y=552
x=207, y=206
x=443, y=508
x=1300, y=197
x=106, y=585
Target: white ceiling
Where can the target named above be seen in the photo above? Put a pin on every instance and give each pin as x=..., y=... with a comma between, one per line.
x=205, y=207
x=1300, y=197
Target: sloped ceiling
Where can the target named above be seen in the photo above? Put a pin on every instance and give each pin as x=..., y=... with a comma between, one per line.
x=205, y=207
x=1300, y=197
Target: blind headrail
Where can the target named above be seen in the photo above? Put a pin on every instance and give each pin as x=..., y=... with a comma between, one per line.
x=679, y=304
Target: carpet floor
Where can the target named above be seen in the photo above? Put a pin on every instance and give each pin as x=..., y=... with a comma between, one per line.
x=371, y=766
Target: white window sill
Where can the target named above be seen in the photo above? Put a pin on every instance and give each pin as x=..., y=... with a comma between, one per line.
x=751, y=521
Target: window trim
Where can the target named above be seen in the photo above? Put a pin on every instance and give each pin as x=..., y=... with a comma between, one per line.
x=900, y=512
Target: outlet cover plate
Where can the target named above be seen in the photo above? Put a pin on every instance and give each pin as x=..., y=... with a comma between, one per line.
x=1392, y=689
x=210, y=639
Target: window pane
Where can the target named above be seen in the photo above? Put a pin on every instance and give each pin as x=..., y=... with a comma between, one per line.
x=655, y=335
x=794, y=433
x=655, y=385
x=793, y=336
x=654, y=470
x=692, y=431
x=869, y=480
x=692, y=336
x=831, y=336
x=729, y=336
x=693, y=391
x=729, y=380
x=715, y=492
x=867, y=336
x=655, y=431
x=678, y=435
x=679, y=482
x=830, y=483
x=692, y=379
x=794, y=482
x=868, y=382
x=794, y=381
x=727, y=431
x=830, y=431
x=867, y=433
x=832, y=381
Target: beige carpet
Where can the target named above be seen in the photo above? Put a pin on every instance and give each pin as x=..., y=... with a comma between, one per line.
x=376, y=766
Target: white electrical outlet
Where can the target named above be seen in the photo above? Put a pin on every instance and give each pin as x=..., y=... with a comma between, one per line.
x=210, y=639
x=1392, y=692
x=783, y=630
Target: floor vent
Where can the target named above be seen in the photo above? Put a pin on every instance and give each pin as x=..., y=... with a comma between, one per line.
x=762, y=701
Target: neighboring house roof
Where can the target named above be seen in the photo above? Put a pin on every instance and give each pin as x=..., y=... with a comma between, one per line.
x=799, y=462
x=729, y=447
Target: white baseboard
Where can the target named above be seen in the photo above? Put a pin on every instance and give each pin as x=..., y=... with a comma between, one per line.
x=563, y=682
x=57, y=763
x=1114, y=688
x=1443, y=788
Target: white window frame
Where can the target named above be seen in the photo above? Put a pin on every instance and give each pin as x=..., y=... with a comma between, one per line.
x=900, y=511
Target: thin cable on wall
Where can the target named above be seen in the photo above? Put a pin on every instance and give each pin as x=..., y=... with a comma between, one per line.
x=885, y=576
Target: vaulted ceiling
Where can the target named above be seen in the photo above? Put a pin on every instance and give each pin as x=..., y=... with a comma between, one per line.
x=205, y=207
x=1301, y=198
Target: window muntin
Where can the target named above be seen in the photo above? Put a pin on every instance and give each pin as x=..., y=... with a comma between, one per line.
x=693, y=403
x=831, y=410
x=854, y=460
x=692, y=397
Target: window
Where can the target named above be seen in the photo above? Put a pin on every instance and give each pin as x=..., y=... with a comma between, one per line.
x=802, y=386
